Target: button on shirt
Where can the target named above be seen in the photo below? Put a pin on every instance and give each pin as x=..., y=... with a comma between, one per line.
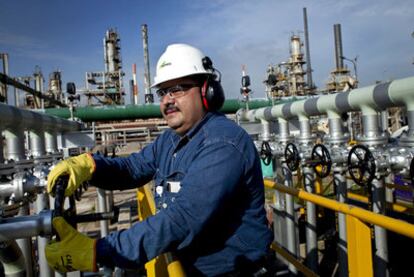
x=214, y=218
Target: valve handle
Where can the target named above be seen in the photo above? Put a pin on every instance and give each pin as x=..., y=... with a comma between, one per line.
x=266, y=153
x=361, y=165
x=60, y=187
x=321, y=160
x=292, y=157
x=70, y=214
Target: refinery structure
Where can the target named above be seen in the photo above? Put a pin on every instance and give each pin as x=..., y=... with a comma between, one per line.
x=338, y=160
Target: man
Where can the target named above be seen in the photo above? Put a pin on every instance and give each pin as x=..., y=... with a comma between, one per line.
x=209, y=187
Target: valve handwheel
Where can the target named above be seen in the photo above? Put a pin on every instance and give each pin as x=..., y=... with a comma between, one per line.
x=321, y=160
x=266, y=153
x=292, y=157
x=361, y=165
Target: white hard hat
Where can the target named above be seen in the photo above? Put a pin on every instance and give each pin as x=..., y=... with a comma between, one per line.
x=179, y=60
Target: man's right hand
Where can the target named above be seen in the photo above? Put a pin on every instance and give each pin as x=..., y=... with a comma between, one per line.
x=79, y=169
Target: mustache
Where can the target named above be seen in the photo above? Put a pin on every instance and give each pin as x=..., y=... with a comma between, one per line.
x=170, y=107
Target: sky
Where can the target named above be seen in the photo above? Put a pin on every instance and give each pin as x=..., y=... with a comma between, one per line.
x=67, y=36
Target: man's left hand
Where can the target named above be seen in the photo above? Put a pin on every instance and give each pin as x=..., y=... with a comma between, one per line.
x=73, y=252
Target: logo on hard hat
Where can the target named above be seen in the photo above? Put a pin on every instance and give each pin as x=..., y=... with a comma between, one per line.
x=164, y=63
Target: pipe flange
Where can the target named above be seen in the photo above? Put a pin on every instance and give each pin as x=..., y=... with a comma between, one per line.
x=336, y=139
x=305, y=139
x=284, y=139
x=372, y=140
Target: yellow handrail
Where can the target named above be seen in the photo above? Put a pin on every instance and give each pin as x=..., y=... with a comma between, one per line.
x=395, y=225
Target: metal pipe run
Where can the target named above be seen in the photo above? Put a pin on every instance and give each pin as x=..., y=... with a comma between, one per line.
x=367, y=99
x=10, y=117
x=26, y=226
x=109, y=113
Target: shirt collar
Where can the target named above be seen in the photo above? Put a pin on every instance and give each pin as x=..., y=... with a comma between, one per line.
x=179, y=141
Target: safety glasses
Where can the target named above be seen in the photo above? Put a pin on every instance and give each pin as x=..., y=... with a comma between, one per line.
x=175, y=91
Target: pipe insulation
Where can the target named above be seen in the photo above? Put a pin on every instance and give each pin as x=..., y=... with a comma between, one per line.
x=109, y=113
x=369, y=100
x=10, y=117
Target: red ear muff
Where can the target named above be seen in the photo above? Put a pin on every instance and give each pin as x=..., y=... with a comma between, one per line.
x=203, y=94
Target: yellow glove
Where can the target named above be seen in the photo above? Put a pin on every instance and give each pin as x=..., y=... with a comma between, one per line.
x=73, y=252
x=79, y=168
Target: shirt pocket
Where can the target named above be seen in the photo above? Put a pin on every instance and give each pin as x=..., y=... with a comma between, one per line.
x=166, y=188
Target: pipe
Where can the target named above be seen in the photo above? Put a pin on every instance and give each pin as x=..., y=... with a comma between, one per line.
x=308, y=58
x=26, y=226
x=367, y=99
x=290, y=216
x=149, y=97
x=102, y=208
x=10, y=117
x=42, y=203
x=15, y=143
x=12, y=259
x=135, y=85
x=109, y=113
x=339, y=173
x=25, y=243
x=381, y=248
x=338, y=47
x=7, y=80
x=5, y=58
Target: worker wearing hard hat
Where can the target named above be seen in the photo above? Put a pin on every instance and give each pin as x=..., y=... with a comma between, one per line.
x=209, y=190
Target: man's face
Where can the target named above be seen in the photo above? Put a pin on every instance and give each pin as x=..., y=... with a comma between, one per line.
x=182, y=107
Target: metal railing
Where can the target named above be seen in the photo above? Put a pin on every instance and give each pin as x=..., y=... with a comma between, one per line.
x=360, y=262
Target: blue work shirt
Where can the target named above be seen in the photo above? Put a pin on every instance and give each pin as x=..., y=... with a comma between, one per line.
x=210, y=195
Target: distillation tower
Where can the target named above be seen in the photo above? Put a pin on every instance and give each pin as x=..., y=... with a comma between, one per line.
x=106, y=87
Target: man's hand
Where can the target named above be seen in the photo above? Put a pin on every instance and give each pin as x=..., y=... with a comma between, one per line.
x=73, y=252
x=79, y=169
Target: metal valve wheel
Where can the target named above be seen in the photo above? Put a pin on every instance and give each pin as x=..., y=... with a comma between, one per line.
x=292, y=157
x=266, y=153
x=321, y=160
x=361, y=165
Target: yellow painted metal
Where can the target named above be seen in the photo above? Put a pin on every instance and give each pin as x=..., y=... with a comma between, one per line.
x=394, y=207
x=386, y=222
x=291, y=259
x=318, y=184
x=166, y=264
x=359, y=248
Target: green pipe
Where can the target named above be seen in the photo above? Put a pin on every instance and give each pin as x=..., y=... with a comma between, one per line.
x=111, y=113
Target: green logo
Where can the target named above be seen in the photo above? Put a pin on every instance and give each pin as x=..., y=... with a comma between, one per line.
x=164, y=63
